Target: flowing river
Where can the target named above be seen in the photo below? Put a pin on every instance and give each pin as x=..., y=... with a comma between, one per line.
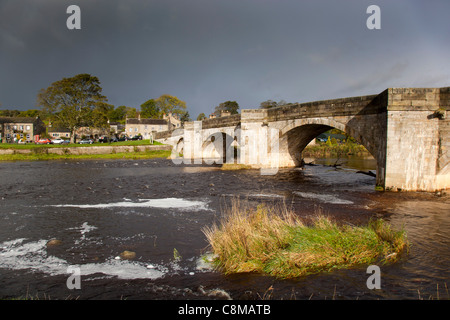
x=156, y=209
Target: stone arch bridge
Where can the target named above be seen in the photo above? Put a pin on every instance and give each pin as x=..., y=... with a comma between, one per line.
x=405, y=129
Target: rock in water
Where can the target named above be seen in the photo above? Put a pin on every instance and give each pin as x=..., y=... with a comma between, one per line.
x=128, y=255
x=54, y=242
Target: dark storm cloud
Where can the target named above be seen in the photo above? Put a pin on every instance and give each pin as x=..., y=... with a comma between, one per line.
x=209, y=51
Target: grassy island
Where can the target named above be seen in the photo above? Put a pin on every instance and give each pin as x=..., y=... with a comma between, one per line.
x=276, y=242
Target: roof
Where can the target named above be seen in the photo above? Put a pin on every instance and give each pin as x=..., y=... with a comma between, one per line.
x=18, y=119
x=146, y=121
x=52, y=129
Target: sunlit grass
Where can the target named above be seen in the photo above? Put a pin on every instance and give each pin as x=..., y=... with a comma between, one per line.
x=70, y=145
x=275, y=241
x=113, y=156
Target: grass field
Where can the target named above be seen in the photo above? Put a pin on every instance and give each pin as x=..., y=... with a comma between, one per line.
x=120, y=155
x=40, y=152
x=120, y=143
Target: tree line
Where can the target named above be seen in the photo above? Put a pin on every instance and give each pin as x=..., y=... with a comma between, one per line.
x=78, y=101
x=232, y=107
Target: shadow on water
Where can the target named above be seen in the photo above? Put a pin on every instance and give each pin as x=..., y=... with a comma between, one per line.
x=98, y=209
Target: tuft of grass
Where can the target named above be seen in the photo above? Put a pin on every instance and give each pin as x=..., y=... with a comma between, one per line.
x=176, y=255
x=275, y=241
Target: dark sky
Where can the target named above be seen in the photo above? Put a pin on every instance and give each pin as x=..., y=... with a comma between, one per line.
x=209, y=51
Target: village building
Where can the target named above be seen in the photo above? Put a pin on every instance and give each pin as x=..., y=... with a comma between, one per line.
x=145, y=127
x=24, y=129
x=55, y=133
x=174, y=121
x=116, y=128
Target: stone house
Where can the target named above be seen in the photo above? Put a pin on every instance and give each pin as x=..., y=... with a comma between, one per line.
x=174, y=121
x=116, y=128
x=58, y=133
x=26, y=128
x=144, y=127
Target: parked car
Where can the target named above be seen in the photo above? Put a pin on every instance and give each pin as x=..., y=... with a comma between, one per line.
x=44, y=141
x=103, y=139
x=86, y=141
x=136, y=138
x=58, y=141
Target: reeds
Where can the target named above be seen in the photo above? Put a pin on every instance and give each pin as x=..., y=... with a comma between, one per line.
x=275, y=241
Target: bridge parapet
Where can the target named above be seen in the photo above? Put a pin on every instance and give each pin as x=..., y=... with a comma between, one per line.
x=370, y=104
x=418, y=99
x=227, y=121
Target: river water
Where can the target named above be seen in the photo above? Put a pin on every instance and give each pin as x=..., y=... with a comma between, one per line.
x=98, y=209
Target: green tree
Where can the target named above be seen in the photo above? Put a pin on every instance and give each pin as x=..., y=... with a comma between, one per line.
x=268, y=104
x=272, y=104
x=201, y=116
x=70, y=101
x=131, y=112
x=185, y=117
x=150, y=109
x=33, y=113
x=10, y=113
x=99, y=117
x=230, y=106
x=170, y=104
x=118, y=114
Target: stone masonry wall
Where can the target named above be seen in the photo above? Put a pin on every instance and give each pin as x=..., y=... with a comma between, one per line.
x=417, y=140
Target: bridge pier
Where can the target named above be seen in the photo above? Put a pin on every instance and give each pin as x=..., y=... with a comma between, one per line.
x=418, y=139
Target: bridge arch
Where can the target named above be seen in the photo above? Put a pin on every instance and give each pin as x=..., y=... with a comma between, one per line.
x=179, y=146
x=219, y=146
x=296, y=135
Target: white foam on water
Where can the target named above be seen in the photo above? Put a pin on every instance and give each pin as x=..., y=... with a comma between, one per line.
x=123, y=269
x=85, y=228
x=166, y=203
x=32, y=256
x=205, y=262
x=327, y=198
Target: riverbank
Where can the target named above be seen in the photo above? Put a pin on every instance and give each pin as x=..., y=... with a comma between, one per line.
x=327, y=150
x=110, y=156
x=129, y=150
x=276, y=242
